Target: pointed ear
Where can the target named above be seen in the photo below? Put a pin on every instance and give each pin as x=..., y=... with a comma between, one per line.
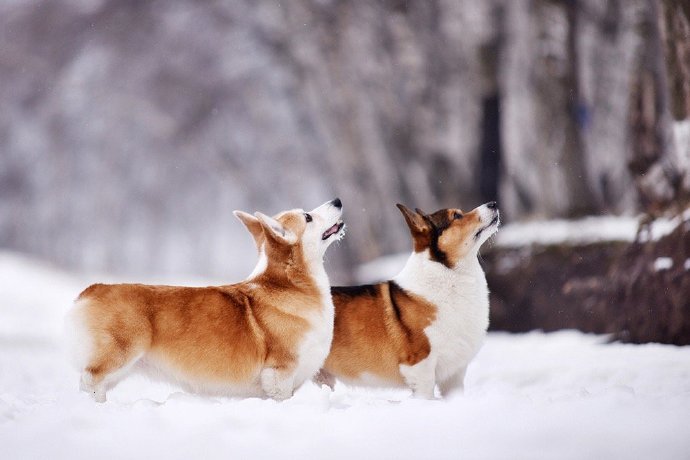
x=274, y=229
x=253, y=225
x=416, y=221
x=425, y=216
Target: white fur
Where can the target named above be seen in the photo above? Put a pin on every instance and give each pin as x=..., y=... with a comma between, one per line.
x=461, y=297
x=261, y=264
x=277, y=385
x=365, y=379
x=421, y=377
x=157, y=368
x=316, y=344
x=317, y=341
x=78, y=339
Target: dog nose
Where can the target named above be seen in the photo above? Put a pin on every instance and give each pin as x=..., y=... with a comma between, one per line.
x=337, y=203
x=491, y=205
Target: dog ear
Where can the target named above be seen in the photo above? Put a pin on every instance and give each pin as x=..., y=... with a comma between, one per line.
x=425, y=216
x=418, y=222
x=253, y=225
x=275, y=230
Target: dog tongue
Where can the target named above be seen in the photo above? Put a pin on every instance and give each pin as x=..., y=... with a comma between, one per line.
x=330, y=231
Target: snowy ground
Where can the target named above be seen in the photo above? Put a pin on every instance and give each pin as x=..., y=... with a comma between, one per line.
x=564, y=395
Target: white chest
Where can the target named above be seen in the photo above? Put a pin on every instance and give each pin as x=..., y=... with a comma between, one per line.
x=316, y=343
x=461, y=297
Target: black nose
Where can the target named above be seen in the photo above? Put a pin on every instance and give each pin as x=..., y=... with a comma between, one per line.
x=337, y=203
x=491, y=205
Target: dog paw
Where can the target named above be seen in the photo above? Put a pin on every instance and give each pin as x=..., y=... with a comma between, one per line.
x=324, y=378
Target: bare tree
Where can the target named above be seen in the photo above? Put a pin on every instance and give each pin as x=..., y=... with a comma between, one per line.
x=655, y=164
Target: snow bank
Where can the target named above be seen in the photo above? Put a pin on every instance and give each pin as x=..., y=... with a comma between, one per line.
x=562, y=395
x=585, y=231
x=545, y=232
x=582, y=231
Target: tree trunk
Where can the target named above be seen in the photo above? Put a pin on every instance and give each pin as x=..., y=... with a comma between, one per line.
x=676, y=20
x=658, y=169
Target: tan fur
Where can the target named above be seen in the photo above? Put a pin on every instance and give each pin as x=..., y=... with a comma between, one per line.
x=442, y=231
x=377, y=328
x=380, y=327
x=207, y=337
x=458, y=231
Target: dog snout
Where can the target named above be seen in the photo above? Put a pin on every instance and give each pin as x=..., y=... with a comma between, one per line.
x=337, y=203
x=491, y=209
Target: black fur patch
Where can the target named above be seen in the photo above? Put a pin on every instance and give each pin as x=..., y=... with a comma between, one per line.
x=395, y=291
x=355, y=291
x=441, y=221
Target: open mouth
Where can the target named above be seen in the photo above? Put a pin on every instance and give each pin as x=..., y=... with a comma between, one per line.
x=493, y=222
x=333, y=230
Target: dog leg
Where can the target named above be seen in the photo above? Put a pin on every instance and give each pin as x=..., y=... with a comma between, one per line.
x=278, y=384
x=90, y=385
x=110, y=363
x=323, y=377
x=453, y=384
x=421, y=377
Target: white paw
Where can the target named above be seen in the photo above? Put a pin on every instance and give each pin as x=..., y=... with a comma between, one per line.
x=276, y=385
x=97, y=391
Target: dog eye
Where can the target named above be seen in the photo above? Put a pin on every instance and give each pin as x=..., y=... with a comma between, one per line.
x=308, y=217
x=457, y=215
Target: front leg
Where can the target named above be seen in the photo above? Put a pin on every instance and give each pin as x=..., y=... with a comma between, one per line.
x=421, y=377
x=453, y=384
x=278, y=383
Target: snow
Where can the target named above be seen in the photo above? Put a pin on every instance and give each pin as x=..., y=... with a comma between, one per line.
x=662, y=263
x=557, y=231
x=662, y=226
x=587, y=230
x=561, y=395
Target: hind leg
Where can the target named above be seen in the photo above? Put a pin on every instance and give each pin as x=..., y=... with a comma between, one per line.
x=453, y=384
x=90, y=384
x=110, y=363
x=421, y=377
x=278, y=383
x=323, y=377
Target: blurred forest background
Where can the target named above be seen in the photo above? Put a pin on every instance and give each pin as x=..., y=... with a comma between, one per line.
x=129, y=131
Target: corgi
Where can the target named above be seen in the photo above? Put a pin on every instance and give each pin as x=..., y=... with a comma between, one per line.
x=261, y=337
x=422, y=328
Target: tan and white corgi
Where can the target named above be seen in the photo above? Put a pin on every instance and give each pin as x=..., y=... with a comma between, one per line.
x=423, y=327
x=264, y=336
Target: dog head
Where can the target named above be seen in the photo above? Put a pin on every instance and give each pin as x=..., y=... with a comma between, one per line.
x=295, y=235
x=450, y=235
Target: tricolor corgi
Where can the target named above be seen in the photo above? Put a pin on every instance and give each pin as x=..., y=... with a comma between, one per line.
x=423, y=327
x=261, y=337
